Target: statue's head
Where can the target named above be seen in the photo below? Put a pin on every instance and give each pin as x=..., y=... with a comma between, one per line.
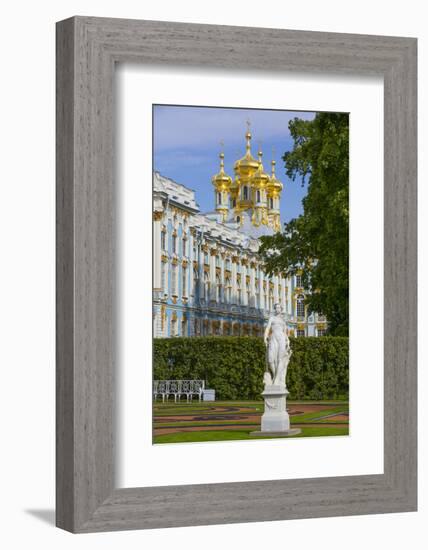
x=277, y=308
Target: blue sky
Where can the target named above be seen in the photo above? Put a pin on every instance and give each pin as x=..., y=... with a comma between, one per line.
x=187, y=145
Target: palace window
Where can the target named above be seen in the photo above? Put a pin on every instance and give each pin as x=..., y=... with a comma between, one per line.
x=163, y=240
x=300, y=332
x=234, y=203
x=174, y=243
x=184, y=246
x=228, y=264
x=239, y=291
x=206, y=286
x=184, y=281
x=228, y=291
x=163, y=277
x=174, y=281
x=217, y=261
x=258, y=196
x=271, y=203
x=217, y=289
x=219, y=198
x=321, y=332
x=238, y=219
x=194, y=286
x=245, y=193
x=299, y=281
x=300, y=306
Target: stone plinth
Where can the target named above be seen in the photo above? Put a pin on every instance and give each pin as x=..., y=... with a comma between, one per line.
x=275, y=420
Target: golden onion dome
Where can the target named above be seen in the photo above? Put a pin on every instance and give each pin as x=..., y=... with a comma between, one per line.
x=274, y=185
x=260, y=178
x=222, y=181
x=247, y=165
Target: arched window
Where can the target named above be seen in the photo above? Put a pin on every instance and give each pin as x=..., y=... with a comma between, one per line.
x=238, y=219
x=258, y=196
x=271, y=203
x=219, y=198
x=299, y=281
x=245, y=193
x=300, y=306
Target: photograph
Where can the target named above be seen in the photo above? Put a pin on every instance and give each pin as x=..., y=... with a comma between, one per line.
x=250, y=273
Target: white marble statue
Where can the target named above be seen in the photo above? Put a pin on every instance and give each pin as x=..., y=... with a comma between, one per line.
x=278, y=349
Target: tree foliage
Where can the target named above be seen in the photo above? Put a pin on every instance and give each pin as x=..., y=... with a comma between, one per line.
x=318, y=240
x=234, y=366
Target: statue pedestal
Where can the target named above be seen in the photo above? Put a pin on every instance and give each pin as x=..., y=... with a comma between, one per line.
x=275, y=420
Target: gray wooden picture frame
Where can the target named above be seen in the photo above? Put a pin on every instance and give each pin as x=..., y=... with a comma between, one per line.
x=87, y=50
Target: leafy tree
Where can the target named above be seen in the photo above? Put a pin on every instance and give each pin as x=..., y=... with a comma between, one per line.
x=318, y=240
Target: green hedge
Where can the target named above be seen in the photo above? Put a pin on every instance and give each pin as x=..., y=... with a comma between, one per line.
x=234, y=366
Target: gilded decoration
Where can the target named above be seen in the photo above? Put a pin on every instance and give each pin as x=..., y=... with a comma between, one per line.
x=252, y=189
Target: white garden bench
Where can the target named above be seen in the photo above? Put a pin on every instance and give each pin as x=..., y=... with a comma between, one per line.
x=177, y=388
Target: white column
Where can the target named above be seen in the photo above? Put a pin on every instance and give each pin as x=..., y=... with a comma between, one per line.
x=234, y=289
x=283, y=285
x=253, y=285
x=262, y=296
x=222, y=279
x=192, y=290
x=212, y=277
x=157, y=217
x=244, y=285
x=275, y=289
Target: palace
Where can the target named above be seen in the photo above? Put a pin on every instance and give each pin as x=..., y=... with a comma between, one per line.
x=208, y=277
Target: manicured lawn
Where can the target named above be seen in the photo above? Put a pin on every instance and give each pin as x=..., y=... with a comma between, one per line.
x=195, y=437
x=234, y=420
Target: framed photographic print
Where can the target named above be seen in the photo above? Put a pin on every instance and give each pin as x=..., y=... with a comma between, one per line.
x=236, y=282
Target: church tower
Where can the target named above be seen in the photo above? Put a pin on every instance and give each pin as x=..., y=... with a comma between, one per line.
x=252, y=198
x=222, y=183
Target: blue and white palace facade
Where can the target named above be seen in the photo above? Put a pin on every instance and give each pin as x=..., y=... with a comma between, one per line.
x=208, y=276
